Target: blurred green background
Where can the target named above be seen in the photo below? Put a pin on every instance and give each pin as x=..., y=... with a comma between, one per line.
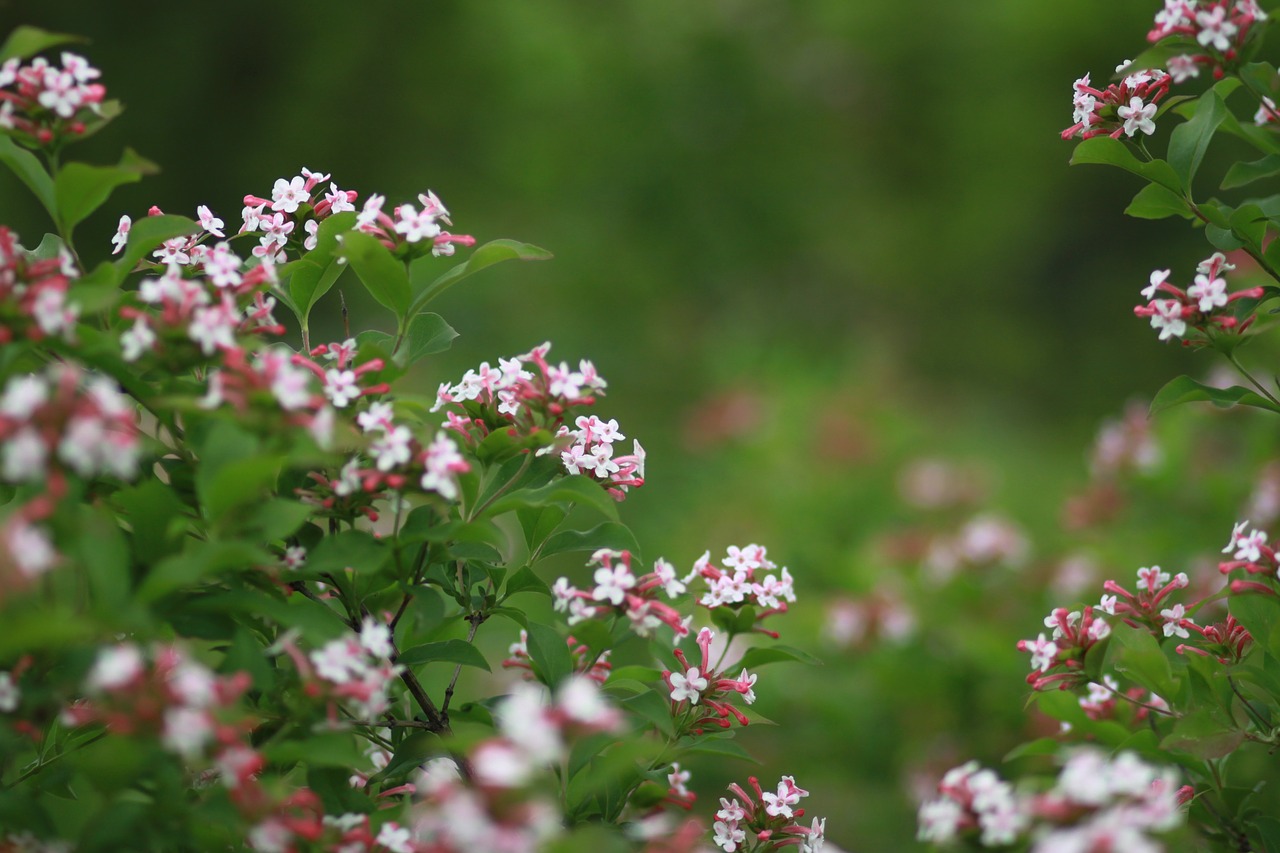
x=805, y=242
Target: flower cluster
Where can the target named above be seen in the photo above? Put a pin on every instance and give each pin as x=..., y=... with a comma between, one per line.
x=1075, y=633
x=881, y=616
x=593, y=666
x=1218, y=27
x=1123, y=108
x=767, y=821
x=1143, y=608
x=409, y=229
x=169, y=695
x=699, y=693
x=44, y=104
x=357, y=667
x=972, y=799
x=618, y=591
x=293, y=201
x=268, y=384
x=1201, y=304
x=491, y=813
x=745, y=579
x=983, y=541
x=397, y=455
x=1098, y=802
x=189, y=320
x=530, y=395
x=1103, y=699
x=33, y=293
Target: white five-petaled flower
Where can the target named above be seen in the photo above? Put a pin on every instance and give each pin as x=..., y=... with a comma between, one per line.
x=1168, y=318
x=287, y=195
x=688, y=686
x=1138, y=117
x=1158, y=277
x=1211, y=292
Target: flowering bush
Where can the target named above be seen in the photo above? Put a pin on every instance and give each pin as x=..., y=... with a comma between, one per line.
x=243, y=574
x=1169, y=677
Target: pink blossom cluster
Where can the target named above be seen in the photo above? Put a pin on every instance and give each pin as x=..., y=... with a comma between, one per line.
x=1218, y=27
x=1144, y=607
x=167, y=694
x=301, y=819
x=410, y=228
x=593, y=666
x=1103, y=699
x=396, y=456
x=45, y=104
x=1249, y=551
x=881, y=616
x=768, y=821
x=983, y=541
x=700, y=694
x=355, y=668
x=502, y=807
x=1200, y=306
x=190, y=250
x=293, y=200
x=1122, y=109
x=56, y=425
x=33, y=293
x=618, y=591
x=1098, y=802
x=270, y=380
x=1075, y=633
x=526, y=394
x=744, y=577
x=187, y=320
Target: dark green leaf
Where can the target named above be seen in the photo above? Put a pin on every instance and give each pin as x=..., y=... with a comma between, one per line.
x=572, y=490
x=382, y=275
x=335, y=749
x=27, y=167
x=1104, y=150
x=351, y=549
x=80, y=189
x=1203, y=735
x=314, y=274
x=447, y=651
x=654, y=706
x=428, y=334
x=1191, y=139
x=1155, y=202
x=1184, y=389
x=1245, y=173
x=526, y=581
x=496, y=251
x=761, y=655
x=412, y=753
x=608, y=534
x=27, y=41
x=549, y=653
x=1134, y=653
x=720, y=747
x=200, y=561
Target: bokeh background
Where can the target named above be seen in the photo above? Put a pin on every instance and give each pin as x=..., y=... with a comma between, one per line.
x=812, y=246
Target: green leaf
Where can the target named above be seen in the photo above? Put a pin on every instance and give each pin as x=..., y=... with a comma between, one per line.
x=314, y=274
x=1184, y=389
x=653, y=706
x=1191, y=139
x=201, y=560
x=411, y=754
x=27, y=167
x=1155, y=202
x=526, y=581
x=150, y=510
x=1133, y=652
x=382, y=275
x=148, y=233
x=1246, y=173
x=572, y=490
x=448, y=651
x=1260, y=614
x=549, y=653
x=1103, y=150
x=761, y=655
x=1203, y=735
x=490, y=253
x=720, y=747
x=80, y=189
x=351, y=549
x=428, y=334
x=608, y=534
x=27, y=41
x=336, y=749
x=235, y=484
